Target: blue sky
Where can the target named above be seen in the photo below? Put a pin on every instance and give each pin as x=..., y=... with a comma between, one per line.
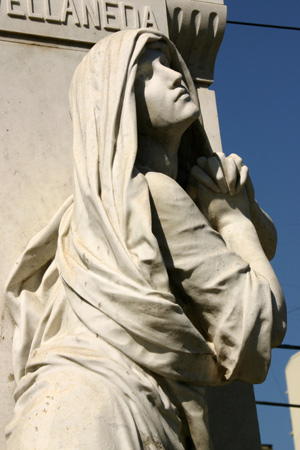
x=257, y=77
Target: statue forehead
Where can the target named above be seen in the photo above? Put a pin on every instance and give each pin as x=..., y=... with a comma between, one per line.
x=153, y=51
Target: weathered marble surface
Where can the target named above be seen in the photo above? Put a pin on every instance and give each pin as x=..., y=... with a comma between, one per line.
x=34, y=86
x=36, y=162
x=131, y=256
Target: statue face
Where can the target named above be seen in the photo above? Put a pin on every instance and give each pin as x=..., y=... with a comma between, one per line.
x=162, y=98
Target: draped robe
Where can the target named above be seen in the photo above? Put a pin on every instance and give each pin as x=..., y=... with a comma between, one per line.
x=128, y=302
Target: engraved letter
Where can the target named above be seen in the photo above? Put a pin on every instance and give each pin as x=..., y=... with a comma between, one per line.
x=92, y=11
x=48, y=13
x=10, y=9
x=108, y=16
x=31, y=13
x=69, y=8
x=129, y=19
x=149, y=19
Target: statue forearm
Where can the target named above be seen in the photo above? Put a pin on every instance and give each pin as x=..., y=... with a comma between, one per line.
x=265, y=229
x=242, y=237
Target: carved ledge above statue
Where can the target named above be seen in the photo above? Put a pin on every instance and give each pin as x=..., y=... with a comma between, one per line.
x=197, y=29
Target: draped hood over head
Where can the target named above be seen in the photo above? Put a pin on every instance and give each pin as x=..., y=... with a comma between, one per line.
x=107, y=257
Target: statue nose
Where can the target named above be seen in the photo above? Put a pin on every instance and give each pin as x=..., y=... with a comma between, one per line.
x=176, y=78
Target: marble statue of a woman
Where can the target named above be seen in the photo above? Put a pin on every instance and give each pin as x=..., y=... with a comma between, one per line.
x=151, y=281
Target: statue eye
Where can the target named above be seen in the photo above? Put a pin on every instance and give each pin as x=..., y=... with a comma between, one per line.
x=141, y=75
x=164, y=61
x=144, y=73
x=144, y=70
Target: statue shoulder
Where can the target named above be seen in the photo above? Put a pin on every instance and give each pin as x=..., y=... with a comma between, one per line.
x=171, y=201
x=163, y=187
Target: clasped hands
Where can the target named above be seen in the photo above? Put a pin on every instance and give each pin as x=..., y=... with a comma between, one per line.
x=218, y=185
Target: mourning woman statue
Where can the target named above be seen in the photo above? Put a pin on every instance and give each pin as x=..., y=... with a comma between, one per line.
x=151, y=281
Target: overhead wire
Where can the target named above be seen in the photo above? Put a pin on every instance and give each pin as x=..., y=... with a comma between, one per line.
x=293, y=310
x=264, y=25
x=289, y=347
x=286, y=405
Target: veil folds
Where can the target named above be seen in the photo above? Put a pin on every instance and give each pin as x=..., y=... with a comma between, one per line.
x=107, y=258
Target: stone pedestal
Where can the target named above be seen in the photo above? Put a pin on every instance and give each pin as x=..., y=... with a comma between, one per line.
x=232, y=417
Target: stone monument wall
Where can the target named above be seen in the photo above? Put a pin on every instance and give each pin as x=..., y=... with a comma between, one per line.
x=41, y=44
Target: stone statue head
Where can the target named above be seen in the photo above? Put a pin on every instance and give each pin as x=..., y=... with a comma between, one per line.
x=113, y=98
x=162, y=97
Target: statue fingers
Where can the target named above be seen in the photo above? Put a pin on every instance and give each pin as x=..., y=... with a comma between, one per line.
x=215, y=165
x=243, y=178
x=250, y=189
x=202, y=162
x=231, y=174
x=203, y=178
x=237, y=159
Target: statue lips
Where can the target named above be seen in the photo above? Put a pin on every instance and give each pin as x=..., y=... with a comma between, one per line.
x=181, y=92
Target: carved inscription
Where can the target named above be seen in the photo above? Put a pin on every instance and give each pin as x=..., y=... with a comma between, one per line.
x=113, y=15
x=84, y=20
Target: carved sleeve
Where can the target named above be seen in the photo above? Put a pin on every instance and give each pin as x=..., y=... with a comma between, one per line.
x=229, y=303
